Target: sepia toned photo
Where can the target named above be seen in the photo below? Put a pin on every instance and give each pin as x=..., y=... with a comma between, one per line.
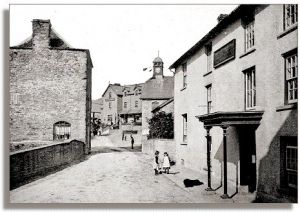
x=153, y=103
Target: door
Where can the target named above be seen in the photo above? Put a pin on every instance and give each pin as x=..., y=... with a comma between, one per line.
x=247, y=157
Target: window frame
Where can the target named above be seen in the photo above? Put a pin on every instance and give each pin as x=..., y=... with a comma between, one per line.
x=125, y=105
x=59, y=127
x=295, y=15
x=136, y=104
x=209, y=98
x=250, y=88
x=249, y=36
x=209, y=57
x=294, y=79
x=184, y=127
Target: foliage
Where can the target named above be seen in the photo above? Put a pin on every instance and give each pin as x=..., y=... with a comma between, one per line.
x=161, y=125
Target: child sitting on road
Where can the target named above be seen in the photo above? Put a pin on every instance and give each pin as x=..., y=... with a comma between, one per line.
x=166, y=163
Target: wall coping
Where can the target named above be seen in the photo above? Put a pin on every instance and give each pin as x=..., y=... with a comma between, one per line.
x=41, y=147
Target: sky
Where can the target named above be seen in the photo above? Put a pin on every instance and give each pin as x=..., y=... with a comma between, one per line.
x=122, y=39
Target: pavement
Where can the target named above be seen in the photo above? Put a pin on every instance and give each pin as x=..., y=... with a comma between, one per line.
x=115, y=173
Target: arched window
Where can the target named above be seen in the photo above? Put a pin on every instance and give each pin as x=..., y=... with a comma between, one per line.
x=61, y=130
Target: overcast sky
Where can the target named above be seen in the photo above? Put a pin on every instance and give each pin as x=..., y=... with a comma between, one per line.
x=122, y=39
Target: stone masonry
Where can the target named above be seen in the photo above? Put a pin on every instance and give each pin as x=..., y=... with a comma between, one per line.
x=49, y=83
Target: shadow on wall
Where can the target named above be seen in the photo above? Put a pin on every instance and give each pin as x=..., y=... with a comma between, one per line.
x=271, y=178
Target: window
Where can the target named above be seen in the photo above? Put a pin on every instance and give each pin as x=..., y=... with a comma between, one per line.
x=15, y=98
x=290, y=15
x=136, y=104
x=208, y=49
x=184, y=70
x=250, y=90
x=125, y=104
x=109, y=105
x=184, y=117
x=109, y=118
x=61, y=130
x=291, y=76
x=109, y=95
x=289, y=161
x=209, y=99
x=249, y=36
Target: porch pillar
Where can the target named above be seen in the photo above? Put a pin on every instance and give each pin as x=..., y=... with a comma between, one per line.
x=225, y=195
x=208, y=145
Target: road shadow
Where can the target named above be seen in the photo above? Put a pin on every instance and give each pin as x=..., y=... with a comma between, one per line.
x=104, y=149
x=192, y=183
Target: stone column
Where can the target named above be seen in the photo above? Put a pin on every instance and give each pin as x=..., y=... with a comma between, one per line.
x=225, y=195
x=208, y=142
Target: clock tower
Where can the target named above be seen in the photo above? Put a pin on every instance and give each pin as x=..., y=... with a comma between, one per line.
x=158, y=66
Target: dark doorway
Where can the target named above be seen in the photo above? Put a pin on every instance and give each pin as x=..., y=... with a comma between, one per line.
x=247, y=157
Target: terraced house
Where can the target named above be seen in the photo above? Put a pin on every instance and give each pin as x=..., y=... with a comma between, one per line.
x=235, y=103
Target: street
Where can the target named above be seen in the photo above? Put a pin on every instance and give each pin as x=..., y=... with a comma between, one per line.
x=110, y=175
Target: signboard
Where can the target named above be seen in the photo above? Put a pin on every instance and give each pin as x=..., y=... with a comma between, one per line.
x=109, y=100
x=224, y=54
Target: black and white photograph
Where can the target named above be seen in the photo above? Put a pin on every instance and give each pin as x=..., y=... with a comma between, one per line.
x=153, y=103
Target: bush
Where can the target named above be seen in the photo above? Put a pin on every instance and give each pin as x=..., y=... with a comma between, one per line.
x=161, y=125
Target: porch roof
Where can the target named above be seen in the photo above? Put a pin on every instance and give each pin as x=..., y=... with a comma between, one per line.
x=222, y=118
x=132, y=111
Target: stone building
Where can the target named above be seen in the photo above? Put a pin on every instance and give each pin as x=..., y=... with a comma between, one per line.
x=166, y=106
x=156, y=90
x=112, y=104
x=50, y=87
x=131, y=105
x=235, y=103
x=97, y=108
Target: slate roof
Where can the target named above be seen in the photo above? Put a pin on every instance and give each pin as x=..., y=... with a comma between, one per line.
x=117, y=88
x=234, y=15
x=163, y=104
x=131, y=111
x=131, y=88
x=158, y=88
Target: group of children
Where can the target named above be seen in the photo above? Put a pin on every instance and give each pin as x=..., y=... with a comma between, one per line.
x=158, y=164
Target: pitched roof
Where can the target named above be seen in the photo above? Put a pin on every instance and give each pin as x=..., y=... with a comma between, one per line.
x=117, y=88
x=235, y=14
x=56, y=42
x=96, y=105
x=163, y=104
x=158, y=88
x=131, y=111
x=131, y=88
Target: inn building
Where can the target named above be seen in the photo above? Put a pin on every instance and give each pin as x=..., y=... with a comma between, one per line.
x=235, y=103
x=50, y=87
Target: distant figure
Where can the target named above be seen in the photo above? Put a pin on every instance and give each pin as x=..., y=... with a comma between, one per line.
x=156, y=162
x=132, y=141
x=166, y=163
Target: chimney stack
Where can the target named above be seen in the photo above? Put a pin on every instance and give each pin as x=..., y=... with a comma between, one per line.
x=41, y=33
x=221, y=17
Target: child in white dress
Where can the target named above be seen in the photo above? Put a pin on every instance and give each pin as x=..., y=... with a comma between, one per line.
x=166, y=163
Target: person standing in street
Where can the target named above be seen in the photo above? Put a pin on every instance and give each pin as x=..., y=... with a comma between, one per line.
x=156, y=162
x=132, y=141
x=166, y=163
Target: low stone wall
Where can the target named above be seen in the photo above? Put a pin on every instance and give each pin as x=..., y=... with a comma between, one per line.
x=161, y=145
x=27, y=164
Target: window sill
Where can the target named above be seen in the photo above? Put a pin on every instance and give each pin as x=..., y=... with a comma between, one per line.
x=184, y=144
x=286, y=107
x=289, y=30
x=248, y=52
x=183, y=88
x=207, y=73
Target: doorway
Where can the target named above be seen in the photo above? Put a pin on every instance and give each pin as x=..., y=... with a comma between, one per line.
x=247, y=157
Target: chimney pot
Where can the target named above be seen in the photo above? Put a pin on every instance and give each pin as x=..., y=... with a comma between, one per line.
x=221, y=17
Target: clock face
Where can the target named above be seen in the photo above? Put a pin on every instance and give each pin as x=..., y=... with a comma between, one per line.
x=157, y=70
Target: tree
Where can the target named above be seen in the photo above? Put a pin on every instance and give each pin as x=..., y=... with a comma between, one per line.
x=161, y=125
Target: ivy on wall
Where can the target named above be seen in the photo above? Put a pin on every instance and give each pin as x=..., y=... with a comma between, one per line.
x=161, y=125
